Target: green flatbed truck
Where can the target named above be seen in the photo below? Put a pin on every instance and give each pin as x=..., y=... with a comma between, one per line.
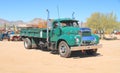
x=63, y=37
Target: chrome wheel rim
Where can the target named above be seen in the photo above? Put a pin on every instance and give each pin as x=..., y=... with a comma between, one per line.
x=62, y=49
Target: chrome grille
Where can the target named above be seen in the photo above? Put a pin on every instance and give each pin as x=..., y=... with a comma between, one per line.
x=86, y=43
x=85, y=33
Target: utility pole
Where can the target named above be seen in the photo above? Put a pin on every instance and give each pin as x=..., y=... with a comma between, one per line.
x=73, y=15
x=48, y=26
x=58, y=11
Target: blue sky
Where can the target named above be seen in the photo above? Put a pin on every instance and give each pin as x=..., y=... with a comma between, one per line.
x=27, y=10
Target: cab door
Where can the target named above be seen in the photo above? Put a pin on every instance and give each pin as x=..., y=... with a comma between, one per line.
x=56, y=32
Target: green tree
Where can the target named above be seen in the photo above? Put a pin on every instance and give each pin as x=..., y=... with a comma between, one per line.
x=102, y=22
x=118, y=26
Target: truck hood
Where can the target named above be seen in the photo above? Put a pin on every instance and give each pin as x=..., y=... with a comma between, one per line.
x=70, y=30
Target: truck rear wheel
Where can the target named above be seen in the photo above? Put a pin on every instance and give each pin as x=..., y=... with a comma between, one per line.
x=27, y=43
x=91, y=51
x=64, y=49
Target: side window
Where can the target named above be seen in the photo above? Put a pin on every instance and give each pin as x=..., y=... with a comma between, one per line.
x=55, y=25
x=75, y=24
x=63, y=24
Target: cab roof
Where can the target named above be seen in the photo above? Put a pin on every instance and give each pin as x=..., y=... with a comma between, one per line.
x=64, y=19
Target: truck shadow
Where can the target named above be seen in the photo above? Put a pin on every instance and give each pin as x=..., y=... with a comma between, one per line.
x=41, y=49
x=74, y=54
x=79, y=54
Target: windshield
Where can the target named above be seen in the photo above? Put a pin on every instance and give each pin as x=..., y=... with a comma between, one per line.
x=69, y=23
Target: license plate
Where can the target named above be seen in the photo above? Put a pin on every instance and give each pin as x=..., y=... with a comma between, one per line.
x=88, y=47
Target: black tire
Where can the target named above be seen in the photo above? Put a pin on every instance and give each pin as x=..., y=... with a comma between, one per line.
x=91, y=52
x=27, y=43
x=64, y=49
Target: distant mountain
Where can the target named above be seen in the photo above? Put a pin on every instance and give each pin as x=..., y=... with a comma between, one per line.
x=3, y=21
x=17, y=22
x=34, y=21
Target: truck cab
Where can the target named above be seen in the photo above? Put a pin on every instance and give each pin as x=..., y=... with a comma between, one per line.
x=68, y=36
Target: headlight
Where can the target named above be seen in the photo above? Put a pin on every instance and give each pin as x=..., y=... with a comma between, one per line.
x=94, y=41
x=77, y=40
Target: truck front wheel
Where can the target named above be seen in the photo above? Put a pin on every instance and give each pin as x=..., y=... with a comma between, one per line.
x=64, y=49
x=27, y=43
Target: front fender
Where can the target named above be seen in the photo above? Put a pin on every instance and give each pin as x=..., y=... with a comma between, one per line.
x=97, y=38
x=70, y=39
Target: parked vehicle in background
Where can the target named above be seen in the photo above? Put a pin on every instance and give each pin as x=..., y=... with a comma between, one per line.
x=10, y=36
x=15, y=37
x=15, y=34
x=117, y=32
x=5, y=35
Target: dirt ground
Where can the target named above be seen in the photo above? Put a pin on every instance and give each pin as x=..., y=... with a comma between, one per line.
x=14, y=58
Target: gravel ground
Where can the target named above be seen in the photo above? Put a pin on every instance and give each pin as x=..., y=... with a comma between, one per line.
x=14, y=58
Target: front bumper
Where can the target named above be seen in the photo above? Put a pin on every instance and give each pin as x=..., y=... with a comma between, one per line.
x=77, y=48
